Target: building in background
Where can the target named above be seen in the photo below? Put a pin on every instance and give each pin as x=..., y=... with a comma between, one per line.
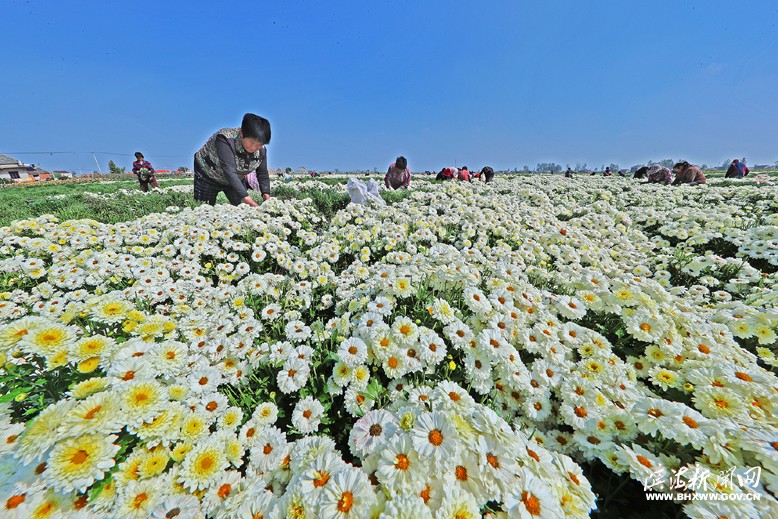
x=13, y=170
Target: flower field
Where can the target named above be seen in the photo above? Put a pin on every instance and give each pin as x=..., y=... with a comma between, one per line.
x=536, y=347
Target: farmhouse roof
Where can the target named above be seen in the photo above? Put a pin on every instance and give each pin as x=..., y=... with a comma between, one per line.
x=5, y=160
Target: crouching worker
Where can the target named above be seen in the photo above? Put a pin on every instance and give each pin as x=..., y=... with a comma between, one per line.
x=685, y=173
x=736, y=170
x=398, y=176
x=447, y=174
x=228, y=157
x=656, y=174
x=487, y=173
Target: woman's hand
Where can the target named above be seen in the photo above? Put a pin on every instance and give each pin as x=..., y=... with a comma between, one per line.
x=250, y=201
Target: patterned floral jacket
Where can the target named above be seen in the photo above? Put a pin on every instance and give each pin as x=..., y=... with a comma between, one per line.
x=229, y=171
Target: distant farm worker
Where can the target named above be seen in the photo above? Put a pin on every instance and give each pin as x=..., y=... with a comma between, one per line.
x=229, y=156
x=737, y=170
x=145, y=173
x=464, y=174
x=656, y=174
x=569, y=173
x=685, y=173
x=447, y=174
x=398, y=176
x=607, y=172
x=487, y=174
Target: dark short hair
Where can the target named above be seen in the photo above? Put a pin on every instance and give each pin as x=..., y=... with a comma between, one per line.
x=139, y=154
x=255, y=127
x=401, y=162
x=682, y=165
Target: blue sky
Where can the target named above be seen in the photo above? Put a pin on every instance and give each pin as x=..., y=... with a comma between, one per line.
x=353, y=84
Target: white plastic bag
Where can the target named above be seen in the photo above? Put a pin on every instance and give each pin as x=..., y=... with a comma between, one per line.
x=362, y=193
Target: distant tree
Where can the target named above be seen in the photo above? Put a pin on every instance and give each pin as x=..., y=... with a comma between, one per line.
x=725, y=164
x=580, y=166
x=704, y=166
x=667, y=163
x=525, y=169
x=114, y=168
x=548, y=167
x=182, y=169
x=614, y=167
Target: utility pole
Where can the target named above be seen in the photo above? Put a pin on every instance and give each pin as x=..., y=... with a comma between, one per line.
x=98, y=164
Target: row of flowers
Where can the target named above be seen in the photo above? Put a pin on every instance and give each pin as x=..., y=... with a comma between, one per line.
x=463, y=351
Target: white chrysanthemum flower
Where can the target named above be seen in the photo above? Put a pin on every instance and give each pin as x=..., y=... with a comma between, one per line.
x=293, y=375
x=96, y=414
x=228, y=485
x=141, y=401
x=349, y=495
x=432, y=349
x=402, y=288
x=265, y=413
x=178, y=505
x=307, y=415
x=76, y=463
x=459, y=504
x=170, y=358
x=399, y=467
x=352, y=352
x=94, y=346
x=138, y=498
x=719, y=402
x=371, y=432
x=381, y=305
x=404, y=330
x=315, y=478
x=203, y=465
x=195, y=425
x=110, y=310
x=271, y=312
x=531, y=497
x=646, y=327
x=204, y=379
x=442, y=311
x=297, y=331
x=476, y=300
x=48, y=340
x=450, y=396
x=269, y=449
x=570, y=307
x=406, y=507
x=435, y=439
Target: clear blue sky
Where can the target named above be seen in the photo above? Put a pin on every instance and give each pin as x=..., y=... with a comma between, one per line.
x=353, y=84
